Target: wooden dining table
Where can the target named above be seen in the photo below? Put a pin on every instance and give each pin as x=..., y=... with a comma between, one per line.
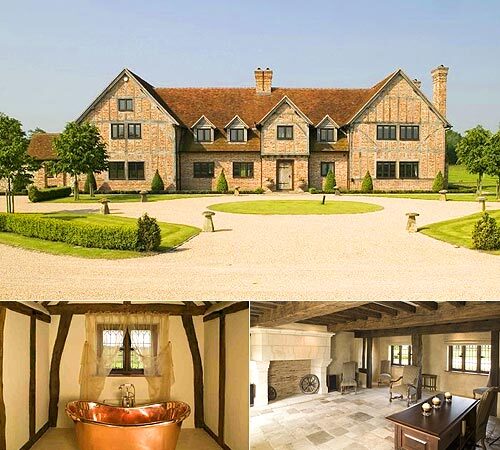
x=451, y=427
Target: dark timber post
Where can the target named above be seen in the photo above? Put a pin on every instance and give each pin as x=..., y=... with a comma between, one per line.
x=416, y=349
x=495, y=363
x=3, y=445
x=369, y=361
x=222, y=376
x=32, y=398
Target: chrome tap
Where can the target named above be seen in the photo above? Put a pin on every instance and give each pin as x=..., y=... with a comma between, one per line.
x=128, y=395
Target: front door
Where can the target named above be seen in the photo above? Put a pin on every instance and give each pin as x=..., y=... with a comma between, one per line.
x=285, y=175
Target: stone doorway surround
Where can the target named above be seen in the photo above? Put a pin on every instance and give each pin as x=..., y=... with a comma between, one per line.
x=285, y=344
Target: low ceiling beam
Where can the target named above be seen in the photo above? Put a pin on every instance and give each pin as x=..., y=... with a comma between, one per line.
x=430, y=306
x=445, y=314
x=381, y=309
x=166, y=308
x=457, y=304
x=291, y=312
x=401, y=306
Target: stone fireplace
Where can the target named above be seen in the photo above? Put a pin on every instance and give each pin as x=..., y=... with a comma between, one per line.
x=281, y=356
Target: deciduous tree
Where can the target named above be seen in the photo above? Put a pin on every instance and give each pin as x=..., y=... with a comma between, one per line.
x=493, y=159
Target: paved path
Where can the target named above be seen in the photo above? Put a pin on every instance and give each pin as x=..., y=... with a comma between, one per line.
x=336, y=257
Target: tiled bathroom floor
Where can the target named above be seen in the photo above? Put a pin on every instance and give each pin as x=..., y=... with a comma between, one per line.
x=331, y=421
x=64, y=439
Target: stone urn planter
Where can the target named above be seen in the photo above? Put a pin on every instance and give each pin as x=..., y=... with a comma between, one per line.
x=268, y=184
x=301, y=185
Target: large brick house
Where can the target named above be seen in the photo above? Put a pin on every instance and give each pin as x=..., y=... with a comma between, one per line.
x=265, y=136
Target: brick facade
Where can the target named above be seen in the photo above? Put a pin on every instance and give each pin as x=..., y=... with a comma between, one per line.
x=285, y=376
x=168, y=117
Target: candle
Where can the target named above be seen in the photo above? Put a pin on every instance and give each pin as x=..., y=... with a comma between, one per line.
x=436, y=402
x=447, y=396
x=426, y=409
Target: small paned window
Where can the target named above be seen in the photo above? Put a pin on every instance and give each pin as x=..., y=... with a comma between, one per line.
x=409, y=133
x=408, y=169
x=327, y=167
x=386, y=169
x=125, y=104
x=117, y=131
x=134, y=131
x=285, y=132
x=136, y=170
x=243, y=170
x=469, y=358
x=400, y=355
x=237, y=135
x=116, y=170
x=327, y=134
x=204, y=134
x=203, y=169
x=386, y=132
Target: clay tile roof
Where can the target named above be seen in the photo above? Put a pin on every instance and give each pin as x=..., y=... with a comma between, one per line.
x=220, y=105
x=40, y=146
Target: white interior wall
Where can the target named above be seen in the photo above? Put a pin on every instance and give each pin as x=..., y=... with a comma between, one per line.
x=236, y=425
x=183, y=388
x=16, y=374
x=42, y=374
x=211, y=374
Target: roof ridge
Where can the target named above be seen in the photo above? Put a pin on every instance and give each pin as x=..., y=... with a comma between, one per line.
x=274, y=88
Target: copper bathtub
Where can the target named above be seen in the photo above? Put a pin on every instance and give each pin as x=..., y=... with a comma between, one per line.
x=150, y=427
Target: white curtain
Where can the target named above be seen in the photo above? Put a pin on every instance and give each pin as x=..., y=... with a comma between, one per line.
x=149, y=335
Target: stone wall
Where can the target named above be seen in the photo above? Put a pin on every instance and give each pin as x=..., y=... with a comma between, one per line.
x=156, y=148
x=222, y=161
x=399, y=104
x=285, y=376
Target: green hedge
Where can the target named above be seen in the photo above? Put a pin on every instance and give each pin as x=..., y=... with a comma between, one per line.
x=41, y=195
x=116, y=237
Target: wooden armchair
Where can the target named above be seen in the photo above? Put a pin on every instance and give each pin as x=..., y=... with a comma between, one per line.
x=349, y=370
x=408, y=386
x=483, y=414
x=385, y=376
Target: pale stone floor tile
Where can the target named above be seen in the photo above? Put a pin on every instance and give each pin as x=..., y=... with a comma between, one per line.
x=64, y=439
x=333, y=422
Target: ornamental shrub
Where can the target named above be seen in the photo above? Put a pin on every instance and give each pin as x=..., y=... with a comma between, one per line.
x=313, y=191
x=259, y=190
x=90, y=180
x=222, y=186
x=116, y=237
x=486, y=233
x=438, y=183
x=367, y=184
x=157, y=184
x=329, y=183
x=41, y=195
x=148, y=234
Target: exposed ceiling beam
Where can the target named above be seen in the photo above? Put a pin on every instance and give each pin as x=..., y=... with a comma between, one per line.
x=457, y=304
x=83, y=308
x=444, y=314
x=369, y=312
x=291, y=312
x=430, y=306
x=381, y=309
x=401, y=306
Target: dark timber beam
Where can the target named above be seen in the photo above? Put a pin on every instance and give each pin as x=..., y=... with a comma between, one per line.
x=222, y=378
x=446, y=314
x=369, y=312
x=381, y=309
x=3, y=444
x=190, y=330
x=401, y=306
x=32, y=389
x=231, y=309
x=495, y=363
x=457, y=304
x=291, y=312
x=26, y=310
x=166, y=308
x=430, y=306
x=416, y=359
x=55, y=365
x=464, y=327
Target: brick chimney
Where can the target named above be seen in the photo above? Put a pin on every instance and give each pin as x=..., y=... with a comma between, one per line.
x=263, y=80
x=439, y=78
x=417, y=83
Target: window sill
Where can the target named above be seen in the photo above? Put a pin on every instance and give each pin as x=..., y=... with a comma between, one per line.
x=124, y=375
x=459, y=372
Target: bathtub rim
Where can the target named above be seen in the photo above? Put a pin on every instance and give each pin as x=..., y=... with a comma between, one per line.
x=178, y=421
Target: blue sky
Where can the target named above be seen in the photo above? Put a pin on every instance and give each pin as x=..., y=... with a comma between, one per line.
x=55, y=59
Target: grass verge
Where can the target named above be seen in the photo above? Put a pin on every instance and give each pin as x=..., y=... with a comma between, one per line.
x=126, y=198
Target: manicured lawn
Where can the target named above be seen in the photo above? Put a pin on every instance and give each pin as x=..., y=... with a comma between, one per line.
x=458, y=176
x=458, y=197
x=125, y=198
x=295, y=207
x=172, y=235
x=458, y=231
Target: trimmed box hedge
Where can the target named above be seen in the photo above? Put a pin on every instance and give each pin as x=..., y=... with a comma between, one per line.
x=41, y=195
x=116, y=237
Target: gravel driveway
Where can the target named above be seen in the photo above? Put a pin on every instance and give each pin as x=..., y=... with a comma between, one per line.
x=337, y=257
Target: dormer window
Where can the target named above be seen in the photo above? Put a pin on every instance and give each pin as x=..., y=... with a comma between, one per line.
x=125, y=104
x=327, y=134
x=237, y=135
x=204, y=134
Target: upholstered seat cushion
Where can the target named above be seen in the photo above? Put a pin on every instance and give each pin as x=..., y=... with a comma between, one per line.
x=402, y=389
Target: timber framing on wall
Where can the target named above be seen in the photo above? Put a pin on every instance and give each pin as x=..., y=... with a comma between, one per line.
x=3, y=444
x=221, y=315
